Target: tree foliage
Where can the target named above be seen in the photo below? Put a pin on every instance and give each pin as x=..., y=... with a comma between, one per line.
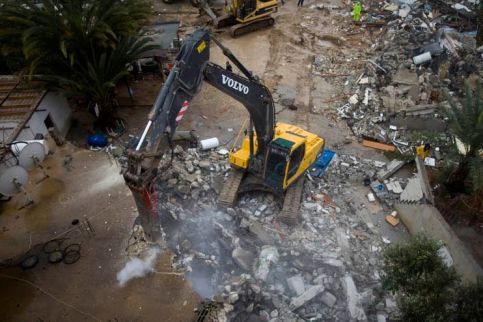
x=80, y=46
x=427, y=289
x=465, y=119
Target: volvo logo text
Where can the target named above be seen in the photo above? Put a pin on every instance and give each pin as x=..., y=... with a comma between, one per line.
x=234, y=84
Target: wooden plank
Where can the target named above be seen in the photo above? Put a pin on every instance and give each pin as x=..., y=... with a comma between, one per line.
x=378, y=146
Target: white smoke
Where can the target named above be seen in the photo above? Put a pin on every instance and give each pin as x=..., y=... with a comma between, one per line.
x=137, y=267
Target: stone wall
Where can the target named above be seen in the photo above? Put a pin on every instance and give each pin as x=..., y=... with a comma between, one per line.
x=426, y=218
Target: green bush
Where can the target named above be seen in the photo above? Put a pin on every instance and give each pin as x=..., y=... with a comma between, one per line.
x=426, y=289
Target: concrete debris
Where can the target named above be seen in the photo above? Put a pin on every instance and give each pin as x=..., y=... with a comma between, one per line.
x=328, y=299
x=412, y=192
x=268, y=255
x=258, y=267
x=286, y=95
x=234, y=297
x=308, y=295
x=417, y=58
x=405, y=76
x=391, y=305
x=391, y=168
x=424, y=180
x=247, y=262
x=296, y=284
x=243, y=257
x=394, y=186
x=381, y=317
x=445, y=255
x=353, y=299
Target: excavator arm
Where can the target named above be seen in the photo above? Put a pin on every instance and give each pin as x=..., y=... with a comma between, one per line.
x=276, y=160
x=191, y=67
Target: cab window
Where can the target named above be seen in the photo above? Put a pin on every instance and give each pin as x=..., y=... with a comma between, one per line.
x=295, y=160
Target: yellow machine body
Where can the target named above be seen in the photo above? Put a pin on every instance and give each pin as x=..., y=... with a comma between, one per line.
x=246, y=11
x=302, y=146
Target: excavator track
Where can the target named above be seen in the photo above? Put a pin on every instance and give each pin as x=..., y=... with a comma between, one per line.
x=291, y=204
x=229, y=191
x=245, y=28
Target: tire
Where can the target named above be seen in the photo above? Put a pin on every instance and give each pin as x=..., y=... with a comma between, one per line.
x=29, y=262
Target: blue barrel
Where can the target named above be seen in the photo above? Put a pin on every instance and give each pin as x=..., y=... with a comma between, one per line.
x=97, y=140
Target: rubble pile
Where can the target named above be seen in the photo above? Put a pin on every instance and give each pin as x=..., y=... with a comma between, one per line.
x=424, y=51
x=183, y=172
x=347, y=169
x=326, y=267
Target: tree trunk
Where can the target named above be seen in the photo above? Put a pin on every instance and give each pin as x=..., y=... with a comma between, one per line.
x=479, y=35
x=106, y=116
x=456, y=179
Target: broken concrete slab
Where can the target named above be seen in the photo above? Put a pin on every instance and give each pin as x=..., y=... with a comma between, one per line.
x=243, y=258
x=405, y=77
x=419, y=124
x=305, y=297
x=353, y=299
x=296, y=284
x=259, y=232
x=394, y=186
x=380, y=317
x=343, y=241
x=426, y=218
x=413, y=191
x=268, y=255
x=424, y=180
x=423, y=109
x=391, y=168
x=334, y=262
x=328, y=299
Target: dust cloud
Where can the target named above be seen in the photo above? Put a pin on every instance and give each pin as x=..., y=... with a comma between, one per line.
x=137, y=267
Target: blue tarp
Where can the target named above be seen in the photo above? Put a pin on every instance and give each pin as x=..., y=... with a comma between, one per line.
x=322, y=163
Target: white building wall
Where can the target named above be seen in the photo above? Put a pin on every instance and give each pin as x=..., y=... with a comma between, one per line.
x=55, y=105
x=59, y=110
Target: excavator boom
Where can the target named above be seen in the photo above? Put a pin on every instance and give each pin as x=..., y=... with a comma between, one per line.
x=191, y=67
x=274, y=155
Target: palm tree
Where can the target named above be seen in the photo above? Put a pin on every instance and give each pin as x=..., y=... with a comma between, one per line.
x=466, y=124
x=479, y=35
x=80, y=46
x=97, y=80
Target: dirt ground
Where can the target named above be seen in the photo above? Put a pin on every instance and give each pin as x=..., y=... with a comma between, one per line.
x=94, y=193
x=94, y=190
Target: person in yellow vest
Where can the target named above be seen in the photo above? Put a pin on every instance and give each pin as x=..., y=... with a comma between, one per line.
x=423, y=151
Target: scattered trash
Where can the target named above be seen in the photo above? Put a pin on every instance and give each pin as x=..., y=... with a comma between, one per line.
x=379, y=146
x=392, y=218
x=322, y=163
x=423, y=58
x=97, y=140
x=208, y=144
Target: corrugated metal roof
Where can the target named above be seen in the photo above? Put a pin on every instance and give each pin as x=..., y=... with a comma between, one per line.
x=18, y=100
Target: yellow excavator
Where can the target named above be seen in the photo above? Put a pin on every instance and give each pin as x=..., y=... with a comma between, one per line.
x=272, y=157
x=243, y=16
x=247, y=15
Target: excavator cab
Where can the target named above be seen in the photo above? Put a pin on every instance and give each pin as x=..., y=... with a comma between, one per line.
x=278, y=157
x=289, y=155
